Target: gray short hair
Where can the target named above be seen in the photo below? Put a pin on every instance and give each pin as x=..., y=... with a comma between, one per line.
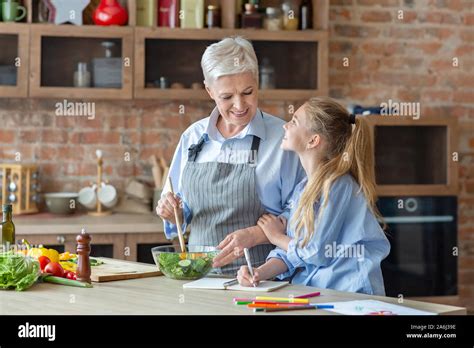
x=232, y=55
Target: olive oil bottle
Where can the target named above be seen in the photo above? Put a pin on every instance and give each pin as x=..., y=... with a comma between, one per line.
x=7, y=227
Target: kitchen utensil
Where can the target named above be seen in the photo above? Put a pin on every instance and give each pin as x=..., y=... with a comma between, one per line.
x=177, y=264
x=163, y=163
x=156, y=171
x=137, y=189
x=108, y=196
x=178, y=221
x=128, y=204
x=61, y=202
x=165, y=176
x=87, y=197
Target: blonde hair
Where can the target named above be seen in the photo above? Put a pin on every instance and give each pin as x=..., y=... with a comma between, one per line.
x=232, y=55
x=347, y=151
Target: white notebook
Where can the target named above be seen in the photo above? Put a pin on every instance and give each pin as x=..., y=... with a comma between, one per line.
x=218, y=284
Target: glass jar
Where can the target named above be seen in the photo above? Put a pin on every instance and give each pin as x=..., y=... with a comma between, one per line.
x=251, y=18
x=82, y=77
x=291, y=13
x=273, y=19
x=213, y=17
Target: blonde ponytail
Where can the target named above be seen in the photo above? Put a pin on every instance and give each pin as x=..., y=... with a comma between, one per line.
x=348, y=150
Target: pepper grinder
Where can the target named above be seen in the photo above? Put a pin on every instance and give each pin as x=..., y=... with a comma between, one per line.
x=83, y=263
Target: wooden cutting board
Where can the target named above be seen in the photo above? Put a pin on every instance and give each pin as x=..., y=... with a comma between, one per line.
x=113, y=269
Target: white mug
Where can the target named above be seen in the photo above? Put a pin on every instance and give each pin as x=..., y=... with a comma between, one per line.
x=87, y=197
x=108, y=196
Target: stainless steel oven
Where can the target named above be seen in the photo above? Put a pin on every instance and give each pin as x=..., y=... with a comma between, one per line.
x=423, y=235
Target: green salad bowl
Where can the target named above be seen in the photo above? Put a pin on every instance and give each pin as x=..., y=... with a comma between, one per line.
x=195, y=263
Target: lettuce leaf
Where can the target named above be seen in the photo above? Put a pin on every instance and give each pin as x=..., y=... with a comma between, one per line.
x=17, y=271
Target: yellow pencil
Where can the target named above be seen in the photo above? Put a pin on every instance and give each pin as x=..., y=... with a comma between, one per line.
x=283, y=299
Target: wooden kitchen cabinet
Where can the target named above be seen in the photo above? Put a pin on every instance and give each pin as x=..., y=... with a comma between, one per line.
x=415, y=157
x=55, y=51
x=149, y=53
x=176, y=55
x=14, y=57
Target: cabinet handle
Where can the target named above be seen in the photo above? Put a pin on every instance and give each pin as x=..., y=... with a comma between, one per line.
x=61, y=239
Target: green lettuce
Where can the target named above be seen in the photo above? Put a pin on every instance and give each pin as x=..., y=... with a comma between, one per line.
x=169, y=264
x=17, y=271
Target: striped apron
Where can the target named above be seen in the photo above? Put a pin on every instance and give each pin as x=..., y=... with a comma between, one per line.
x=223, y=199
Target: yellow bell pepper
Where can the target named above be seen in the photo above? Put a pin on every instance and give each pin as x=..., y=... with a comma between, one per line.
x=51, y=254
x=66, y=256
x=68, y=266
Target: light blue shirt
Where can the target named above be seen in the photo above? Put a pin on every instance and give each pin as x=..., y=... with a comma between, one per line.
x=277, y=171
x=347, y=247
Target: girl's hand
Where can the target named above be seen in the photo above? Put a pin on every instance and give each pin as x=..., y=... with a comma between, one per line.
x=244, y=277
x=166, y=205
x=273, y=226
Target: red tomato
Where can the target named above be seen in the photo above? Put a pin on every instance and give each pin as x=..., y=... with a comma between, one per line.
x=70, y=275
x=55, y=269
x=43, y=261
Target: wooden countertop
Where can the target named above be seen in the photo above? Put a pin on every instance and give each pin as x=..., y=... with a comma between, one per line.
x=46, y=223
x=163, y=296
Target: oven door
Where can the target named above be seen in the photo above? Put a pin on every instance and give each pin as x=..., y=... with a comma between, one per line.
x=423, y=255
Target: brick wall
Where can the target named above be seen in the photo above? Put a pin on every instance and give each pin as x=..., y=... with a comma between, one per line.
x=406, y=60
x=411, y=59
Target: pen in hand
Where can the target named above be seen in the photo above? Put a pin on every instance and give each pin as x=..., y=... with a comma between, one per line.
x=249, y=264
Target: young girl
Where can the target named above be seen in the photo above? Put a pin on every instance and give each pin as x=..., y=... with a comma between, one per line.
x=333, y=239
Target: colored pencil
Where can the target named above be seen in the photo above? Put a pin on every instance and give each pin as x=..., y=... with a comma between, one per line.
x=312, y=294
x=279, y=303
x=238, y=303
x=242, y=299
x=282, y=299
x=275, y=305
x=294, y=308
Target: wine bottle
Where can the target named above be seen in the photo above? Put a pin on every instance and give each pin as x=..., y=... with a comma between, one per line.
x=7, y=227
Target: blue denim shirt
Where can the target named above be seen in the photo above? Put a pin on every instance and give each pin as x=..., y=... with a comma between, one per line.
x=347, y=246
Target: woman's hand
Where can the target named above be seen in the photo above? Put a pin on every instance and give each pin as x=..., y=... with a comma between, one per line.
x=232, y=247
x=273, y=226
x=244, y=277
x=166, y=205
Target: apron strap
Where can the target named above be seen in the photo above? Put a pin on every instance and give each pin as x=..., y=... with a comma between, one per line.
x=254, y=150
x=194, y=149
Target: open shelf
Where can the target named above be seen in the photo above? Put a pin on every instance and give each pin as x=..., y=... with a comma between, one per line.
x=14, y=38
x=56, y=50
x=176, y=54
x=414, y=157
x=49, y=55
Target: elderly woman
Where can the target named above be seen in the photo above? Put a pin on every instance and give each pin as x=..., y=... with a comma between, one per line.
x=228, y=169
